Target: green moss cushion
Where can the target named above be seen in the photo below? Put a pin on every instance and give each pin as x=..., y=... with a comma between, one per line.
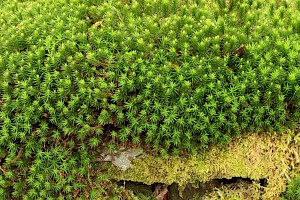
x=80, y=74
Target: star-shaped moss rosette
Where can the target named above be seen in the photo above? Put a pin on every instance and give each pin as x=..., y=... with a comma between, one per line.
x=82, y=74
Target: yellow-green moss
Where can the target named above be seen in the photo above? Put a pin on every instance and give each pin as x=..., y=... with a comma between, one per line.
x=267, y=155
x=240, y=191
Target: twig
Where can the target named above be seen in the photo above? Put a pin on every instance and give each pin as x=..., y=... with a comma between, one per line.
x=89, y=179
x=96, y=127
x=18, y=156
x=4, y=172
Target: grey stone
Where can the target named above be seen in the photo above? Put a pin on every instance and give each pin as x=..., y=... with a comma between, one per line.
x=122, y=159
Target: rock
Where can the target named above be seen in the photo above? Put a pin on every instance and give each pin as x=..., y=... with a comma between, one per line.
x=122, y=160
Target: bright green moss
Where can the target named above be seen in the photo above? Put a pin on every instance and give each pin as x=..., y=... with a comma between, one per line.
x=81, y=74
x=293, y=191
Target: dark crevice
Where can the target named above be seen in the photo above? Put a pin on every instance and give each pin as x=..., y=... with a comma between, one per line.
x=190, y=190
x=263, y=182
x=226, y=181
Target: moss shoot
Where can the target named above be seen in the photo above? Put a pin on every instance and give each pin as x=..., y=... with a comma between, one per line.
x=176, y=75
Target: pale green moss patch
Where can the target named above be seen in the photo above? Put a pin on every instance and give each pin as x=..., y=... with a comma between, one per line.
x=239, y=191
x=255, y=156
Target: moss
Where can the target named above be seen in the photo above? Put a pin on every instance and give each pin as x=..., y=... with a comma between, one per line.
x=255, y=156
x=237, y=191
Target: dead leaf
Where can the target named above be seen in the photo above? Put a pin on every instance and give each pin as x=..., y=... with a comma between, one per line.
x=239, y=51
